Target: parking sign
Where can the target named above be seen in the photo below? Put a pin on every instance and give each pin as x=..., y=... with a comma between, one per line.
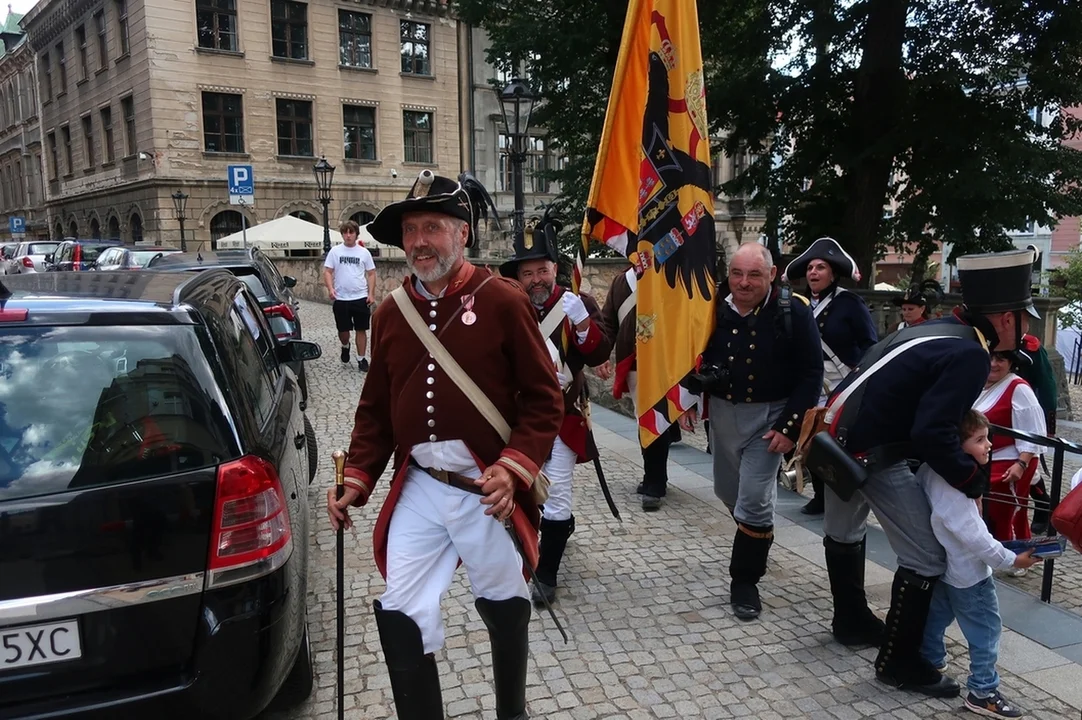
x=241, y=185
x=16, y=225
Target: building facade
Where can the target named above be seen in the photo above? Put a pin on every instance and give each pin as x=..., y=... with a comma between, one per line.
x=21, y=188
x=140, y=99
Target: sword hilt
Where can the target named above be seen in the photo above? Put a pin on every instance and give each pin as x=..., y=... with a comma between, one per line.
x=339, y=458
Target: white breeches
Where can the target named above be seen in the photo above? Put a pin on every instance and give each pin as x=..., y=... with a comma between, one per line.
x=433, y=526
x=560, y=469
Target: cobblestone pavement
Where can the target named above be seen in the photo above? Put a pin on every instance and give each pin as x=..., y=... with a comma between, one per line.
x=645, y=603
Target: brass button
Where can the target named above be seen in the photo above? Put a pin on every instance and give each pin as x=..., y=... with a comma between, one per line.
x=790, y=423
x=430, y=394
x=751, y=390
x=753, y=333
x=735, y=331
x=785, y=431
x=751, y=377
x=747, y=399
x=432, y=327
x=730, y=358
x=432, y=313
x=432, y=423
x=432, y=410
x=432, y=438
x=752, y=346
x=748, y=361
x=728, y=397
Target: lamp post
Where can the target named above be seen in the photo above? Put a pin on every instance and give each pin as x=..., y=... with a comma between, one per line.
x=517, y=104
x=180, y=201
x=324, y=172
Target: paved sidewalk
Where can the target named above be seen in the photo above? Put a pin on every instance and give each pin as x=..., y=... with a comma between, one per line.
x=645, y=603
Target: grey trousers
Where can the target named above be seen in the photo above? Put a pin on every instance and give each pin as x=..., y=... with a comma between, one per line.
x=745, y=474
x=902, y=508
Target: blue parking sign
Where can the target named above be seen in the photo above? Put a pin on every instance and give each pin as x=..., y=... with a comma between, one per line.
x=16, y=225
x=241, y=183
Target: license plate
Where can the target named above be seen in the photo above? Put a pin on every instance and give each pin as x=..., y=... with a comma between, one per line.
x=39, y=644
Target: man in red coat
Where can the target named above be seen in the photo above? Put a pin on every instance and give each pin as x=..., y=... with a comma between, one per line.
x=560, y=314
x=456, y=481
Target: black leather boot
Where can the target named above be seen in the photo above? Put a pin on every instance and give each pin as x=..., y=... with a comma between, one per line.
x=415, y=681
x=1039, y=494
x=508, y=623
x=551, y=546
x=854, y=623
x=899, y=662
x=750, y=549
x=815, y=506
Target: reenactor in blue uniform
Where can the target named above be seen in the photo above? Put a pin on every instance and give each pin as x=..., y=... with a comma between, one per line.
x=762, y=370
x=845, y=324
x=911, y=404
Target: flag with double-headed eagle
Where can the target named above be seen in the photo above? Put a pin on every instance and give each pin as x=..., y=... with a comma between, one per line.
x=651, y=200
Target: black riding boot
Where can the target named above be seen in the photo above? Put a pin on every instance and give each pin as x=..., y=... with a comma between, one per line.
x=508, y=623
x=854, y=623
x=750, y=549
x=551, y=546
x=816, y=505
x=415, y=681
x=899, y=662
x=1037, y=491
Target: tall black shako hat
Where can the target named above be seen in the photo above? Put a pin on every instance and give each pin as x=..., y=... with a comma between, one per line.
x=998, y=282
x=828, y=250
x=465, y=199
x=538, y=243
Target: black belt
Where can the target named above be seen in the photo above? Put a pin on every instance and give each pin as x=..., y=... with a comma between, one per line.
x=448, y=477
x=883, y=456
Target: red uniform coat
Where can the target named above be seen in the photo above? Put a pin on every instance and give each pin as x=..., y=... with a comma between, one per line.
x=593, y=351
x=620, y=334
x=407, y=399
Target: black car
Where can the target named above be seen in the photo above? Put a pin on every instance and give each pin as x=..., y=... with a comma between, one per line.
x=154, y=518
x=274, y=292
x=77, y=255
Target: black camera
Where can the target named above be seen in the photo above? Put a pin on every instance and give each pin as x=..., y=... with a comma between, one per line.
x=710, y=378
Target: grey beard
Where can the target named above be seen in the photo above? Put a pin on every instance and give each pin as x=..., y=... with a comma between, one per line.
x=539, y=296
x=443, y=266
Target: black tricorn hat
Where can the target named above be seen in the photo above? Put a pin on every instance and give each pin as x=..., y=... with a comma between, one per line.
x=998, y=282
x=828, y=250
x=912, y=296
x=465, y=199
x=538, y=243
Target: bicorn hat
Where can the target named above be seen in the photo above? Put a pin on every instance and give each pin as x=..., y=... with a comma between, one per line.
x=998, y=282
x=912, y=296
x=538, y=243
x=828, y=250
x=465, y=199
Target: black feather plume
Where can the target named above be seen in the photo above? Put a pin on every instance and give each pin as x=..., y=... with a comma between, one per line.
x=479, y=199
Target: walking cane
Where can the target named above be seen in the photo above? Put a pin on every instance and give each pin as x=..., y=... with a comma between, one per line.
x=339, y=458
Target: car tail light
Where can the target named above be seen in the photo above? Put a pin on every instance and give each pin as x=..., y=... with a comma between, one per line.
x=28, y=263
x=283, y=311
x=251, y=535
x=14, y=314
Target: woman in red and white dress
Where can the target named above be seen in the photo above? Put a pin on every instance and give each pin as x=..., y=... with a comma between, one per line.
x=1009, y=402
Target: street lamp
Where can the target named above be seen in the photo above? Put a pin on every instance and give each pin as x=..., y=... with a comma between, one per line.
x=324, y=175
x=180, y=201
x=517, y=104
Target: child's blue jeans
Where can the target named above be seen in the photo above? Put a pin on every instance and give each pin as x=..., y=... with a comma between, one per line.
x=977, y=611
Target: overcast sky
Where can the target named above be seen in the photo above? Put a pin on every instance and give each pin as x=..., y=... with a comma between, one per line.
x=19, y=6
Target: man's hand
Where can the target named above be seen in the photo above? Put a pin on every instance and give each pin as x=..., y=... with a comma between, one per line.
x=687, y=420
x=778, y=442
x=574, y=308
x=498, y=485
x=371, y=300
x=1026, y=559
x=338, y=510
x=1013, y=474
x=332, y=294
x=604, y=370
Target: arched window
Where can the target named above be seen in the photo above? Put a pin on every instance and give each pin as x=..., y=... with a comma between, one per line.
x=114, y=228
x=73, y=229
x=58, y=231
x=306, y=216
x=362, y=217
x=135, y=225
x=95, y=229
x=224, y=223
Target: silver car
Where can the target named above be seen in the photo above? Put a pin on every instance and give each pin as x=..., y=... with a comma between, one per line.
x=30, y=256
x=7, y=255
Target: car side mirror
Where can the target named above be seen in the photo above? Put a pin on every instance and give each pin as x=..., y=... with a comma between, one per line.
x=298, y=351
x=289, y=281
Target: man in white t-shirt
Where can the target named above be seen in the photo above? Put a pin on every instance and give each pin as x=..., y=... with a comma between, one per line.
x=350, y=276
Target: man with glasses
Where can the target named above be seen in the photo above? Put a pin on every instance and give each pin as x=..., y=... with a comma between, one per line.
x=762, y=370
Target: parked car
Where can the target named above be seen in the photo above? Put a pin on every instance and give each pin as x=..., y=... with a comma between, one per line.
x=154, y=517
x=7, y=257
x=30, y=256
x=274, y=292
x=128, y=258
x=77, y=255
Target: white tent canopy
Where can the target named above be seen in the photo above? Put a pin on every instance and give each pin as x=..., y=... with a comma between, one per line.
x=289, y=236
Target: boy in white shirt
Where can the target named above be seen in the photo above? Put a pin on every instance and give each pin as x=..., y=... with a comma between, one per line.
x=350, y=276
x=966, y=591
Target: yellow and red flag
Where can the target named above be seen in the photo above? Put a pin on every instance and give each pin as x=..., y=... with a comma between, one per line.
x=651, y=200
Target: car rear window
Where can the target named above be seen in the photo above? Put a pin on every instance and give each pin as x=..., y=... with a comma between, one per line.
x=41, y=248
x=89, y=253
x=255, y=284
x=89, y=406
x=142, y=257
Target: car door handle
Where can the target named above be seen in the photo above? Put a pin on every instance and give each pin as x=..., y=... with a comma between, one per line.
x=298, y=440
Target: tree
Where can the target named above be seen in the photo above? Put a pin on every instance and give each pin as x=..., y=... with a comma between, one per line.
x=847, y=105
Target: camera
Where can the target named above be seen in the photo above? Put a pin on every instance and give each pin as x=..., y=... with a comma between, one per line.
x=710, y=378
x=394, y=173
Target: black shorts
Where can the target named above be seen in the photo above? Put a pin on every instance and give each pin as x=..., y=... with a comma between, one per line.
x=351, y=314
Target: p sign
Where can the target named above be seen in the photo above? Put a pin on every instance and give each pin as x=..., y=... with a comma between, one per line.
x=241, y=185
x=16, y=225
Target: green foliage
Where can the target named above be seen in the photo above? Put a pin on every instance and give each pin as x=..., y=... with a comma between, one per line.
x=845, y=106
